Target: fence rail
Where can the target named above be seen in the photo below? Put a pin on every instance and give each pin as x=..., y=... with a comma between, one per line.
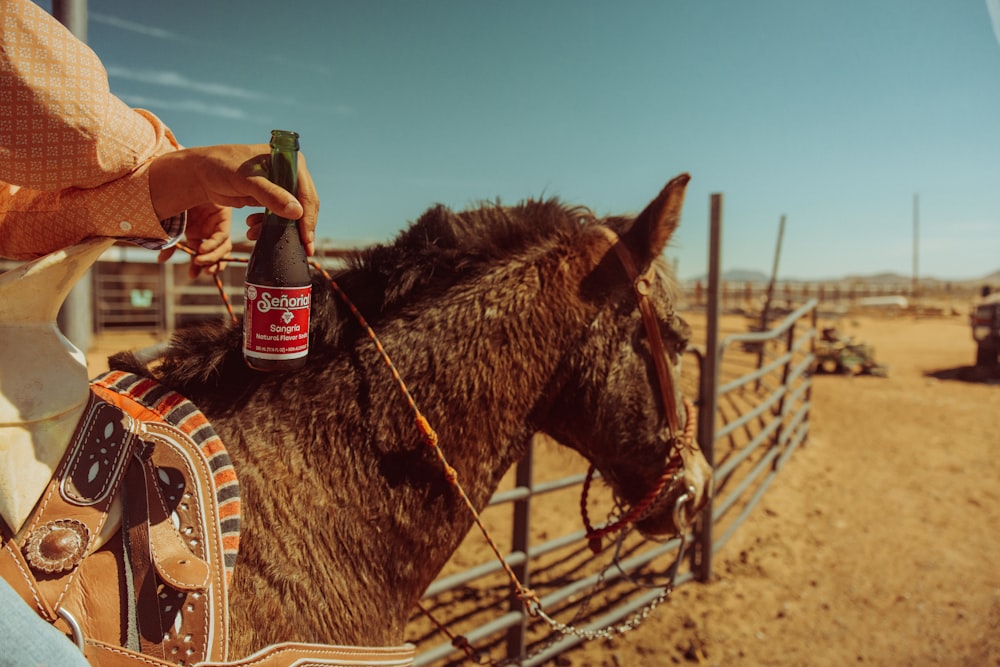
x=843, y=294
x=144, y=296
x=763, y=417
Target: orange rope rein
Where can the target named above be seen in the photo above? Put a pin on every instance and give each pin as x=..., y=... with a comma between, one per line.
x=528, y=597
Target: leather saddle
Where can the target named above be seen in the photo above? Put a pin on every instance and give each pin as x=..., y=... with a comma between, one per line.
x=155, y=591
x=157, y=585
x=123, y=535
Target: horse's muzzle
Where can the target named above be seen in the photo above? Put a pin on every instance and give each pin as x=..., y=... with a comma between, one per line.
x=684, y=499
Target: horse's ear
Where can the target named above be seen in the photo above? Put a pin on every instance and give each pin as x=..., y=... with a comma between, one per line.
x=649, y=234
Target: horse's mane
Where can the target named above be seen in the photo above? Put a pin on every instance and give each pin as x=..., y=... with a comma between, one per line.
x=443, y=247
x=438, y=250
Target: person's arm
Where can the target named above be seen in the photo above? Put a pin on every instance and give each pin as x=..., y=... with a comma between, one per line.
x=77, y=162
x=202, y=181
x=73, y=157
x=233, y=175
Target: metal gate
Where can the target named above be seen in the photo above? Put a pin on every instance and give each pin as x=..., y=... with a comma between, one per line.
x=129, y=296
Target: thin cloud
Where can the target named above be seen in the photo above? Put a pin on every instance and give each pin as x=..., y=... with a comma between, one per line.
x=993, y=7
x=285, y=61
x=132, y=26
x=175, y=80
x=189, y=106
x=160, y=33
x=179, y=81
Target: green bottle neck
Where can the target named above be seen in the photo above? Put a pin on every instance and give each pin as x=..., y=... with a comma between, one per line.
x=284, y=170
x=285, y=160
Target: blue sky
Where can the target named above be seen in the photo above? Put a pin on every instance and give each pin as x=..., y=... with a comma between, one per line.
x=833, y=113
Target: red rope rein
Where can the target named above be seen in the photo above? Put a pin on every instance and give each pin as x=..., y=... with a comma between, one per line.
x=638, y=511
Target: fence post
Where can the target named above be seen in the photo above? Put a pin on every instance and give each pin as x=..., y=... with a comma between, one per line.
x=520, y=541
x=783, y=402
x=709, y=382
x=812, y=352
x=76, y=314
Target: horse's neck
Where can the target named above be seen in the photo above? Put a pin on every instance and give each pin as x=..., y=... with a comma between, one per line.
x=43, y=377
x=481, y=381
x=476, y=360
x=486, y=372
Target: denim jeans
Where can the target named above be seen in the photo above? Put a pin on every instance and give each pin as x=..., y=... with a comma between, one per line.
x=27, y=640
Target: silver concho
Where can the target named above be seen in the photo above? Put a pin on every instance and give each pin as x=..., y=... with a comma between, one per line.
x=57, y=546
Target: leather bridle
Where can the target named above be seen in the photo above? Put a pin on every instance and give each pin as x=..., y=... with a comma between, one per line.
x=673, y=472
x=642, y=285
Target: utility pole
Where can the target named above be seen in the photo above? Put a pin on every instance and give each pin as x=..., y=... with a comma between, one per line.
x=916, y=246
x=765, y=312
x=76, y=319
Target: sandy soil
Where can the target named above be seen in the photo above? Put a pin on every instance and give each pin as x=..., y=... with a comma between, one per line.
x=877, y=545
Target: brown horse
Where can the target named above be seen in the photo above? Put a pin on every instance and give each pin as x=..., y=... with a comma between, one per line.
x=503, y=322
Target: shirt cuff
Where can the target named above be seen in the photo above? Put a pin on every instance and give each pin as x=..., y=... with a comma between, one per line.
x=173, y=227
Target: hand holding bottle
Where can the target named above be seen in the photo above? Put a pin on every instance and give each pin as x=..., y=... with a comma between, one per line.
x=229, y=175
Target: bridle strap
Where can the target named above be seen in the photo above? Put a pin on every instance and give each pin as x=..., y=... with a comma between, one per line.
x=642, y=285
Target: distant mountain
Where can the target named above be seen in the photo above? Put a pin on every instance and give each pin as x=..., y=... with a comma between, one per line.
x=745, y=276
x=886, y=278
x=738, y=276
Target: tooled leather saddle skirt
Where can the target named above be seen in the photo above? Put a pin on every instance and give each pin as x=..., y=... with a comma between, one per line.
x=154, y=591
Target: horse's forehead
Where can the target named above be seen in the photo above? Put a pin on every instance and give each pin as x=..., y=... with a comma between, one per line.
x=664, y=293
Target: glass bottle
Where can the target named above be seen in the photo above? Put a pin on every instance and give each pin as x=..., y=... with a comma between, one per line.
x=278, y=287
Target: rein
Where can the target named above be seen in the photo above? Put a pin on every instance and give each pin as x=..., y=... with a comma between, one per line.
x=672, y=473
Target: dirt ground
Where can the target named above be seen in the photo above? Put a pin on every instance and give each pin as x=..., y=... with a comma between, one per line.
x=879, y=542
x=877, y=545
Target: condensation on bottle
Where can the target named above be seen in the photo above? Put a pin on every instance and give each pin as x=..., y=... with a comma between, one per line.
x=278, y=287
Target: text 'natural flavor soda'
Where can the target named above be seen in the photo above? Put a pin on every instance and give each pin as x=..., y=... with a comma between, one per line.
x=278, y=288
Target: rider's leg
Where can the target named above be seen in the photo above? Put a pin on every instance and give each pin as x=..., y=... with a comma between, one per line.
x=26, y=639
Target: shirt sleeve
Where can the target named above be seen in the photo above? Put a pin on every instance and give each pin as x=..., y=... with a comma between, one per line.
x=73, y=157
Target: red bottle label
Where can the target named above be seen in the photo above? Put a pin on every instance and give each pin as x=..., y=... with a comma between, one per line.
x=276, y=322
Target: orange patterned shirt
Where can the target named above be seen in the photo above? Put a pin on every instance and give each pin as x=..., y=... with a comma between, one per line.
x=74, y=158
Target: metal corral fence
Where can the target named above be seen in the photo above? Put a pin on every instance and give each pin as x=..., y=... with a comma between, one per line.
x=149, y=296
x=762, y=399
x=845, y=295
x=146, y=296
